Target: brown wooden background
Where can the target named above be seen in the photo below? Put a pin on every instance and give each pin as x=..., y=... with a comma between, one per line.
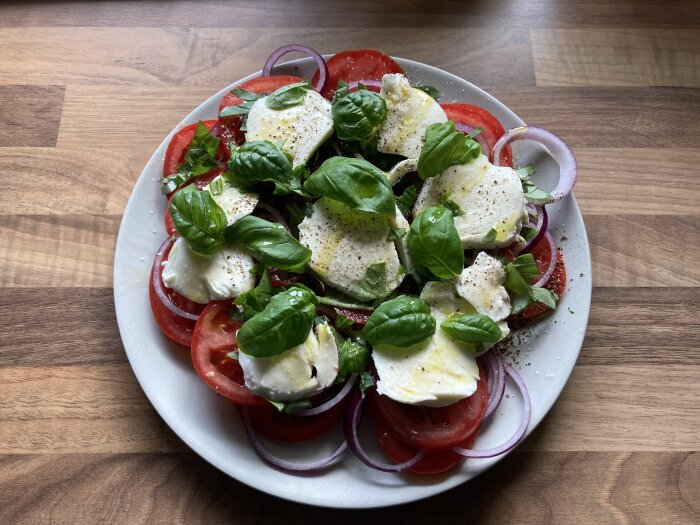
x=88, y=90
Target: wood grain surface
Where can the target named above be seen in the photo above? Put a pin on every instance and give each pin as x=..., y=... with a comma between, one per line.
x=89, y=89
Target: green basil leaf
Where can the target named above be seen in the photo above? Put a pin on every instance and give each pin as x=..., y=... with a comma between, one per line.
x=199, y=159
x=260, y=161
x=472, y=328
x=268, y=242
x=403, y=321
x=367, y=149
x=366, y=382
x=396, y=233
x=343, y=323
x=544, y=296
x=528, y=233
x=288, y=96
x=290, y=407
x=445, y=147
x=519, y=303
x=451, y=205
x=198, y=219
x=248, y=96
x=434, y=243
x=525, y=172
x=254, y=301
x=241, y=109
x=354, y=182
x=473, y=133
x=353, y=358
x=490, y=235
x=216, y=187
x=357, y=115
x=407, y=199
x=431, y=91
x=284, y=323
x=339, y=299
x=520, y=273
x=534, y=194
x=373, y=284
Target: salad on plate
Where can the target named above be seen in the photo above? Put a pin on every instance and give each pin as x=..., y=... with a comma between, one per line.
x=348, y=241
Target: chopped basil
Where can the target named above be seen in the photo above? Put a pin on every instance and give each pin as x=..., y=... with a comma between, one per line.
x=373, y=284
x=431, y=91
x=343, y=323
x=353, y=358
x=199, y=159
x=490, y=235
x=216, y=187
x=451, y=205
x=407, y=199
x=530, y=189
x=395, y=234
x=366, y=382
x=290, y=407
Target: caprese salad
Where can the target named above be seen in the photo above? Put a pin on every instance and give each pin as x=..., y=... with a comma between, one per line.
x=351, y=240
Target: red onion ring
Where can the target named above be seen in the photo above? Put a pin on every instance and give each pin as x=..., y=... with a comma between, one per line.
x=342, y=394
x=485, y=149
x=158, y=284
x=552, y=261
x=285, y=464
x=371, y=85
x=556, y=147
x=519, y=433
x=351, y=423
x=542, y=224
x=498, y=382
x=322, y=66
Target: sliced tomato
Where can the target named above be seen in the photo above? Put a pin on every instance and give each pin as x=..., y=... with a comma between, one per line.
x=231, y=125
x=282, y=427
x=214, y=337
x=432, y=428
x=172, y=325
x=478, y=117
x=358, y=64
x=168, y=220
x=177, y=149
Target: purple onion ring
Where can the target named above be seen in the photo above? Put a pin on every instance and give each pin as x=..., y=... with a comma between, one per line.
x=371, y=85
x=498, y=382
x=342, y=394
x=556, y=147
x=322, y=66
x=542, y=224
x=552, y=261
x=158, y=285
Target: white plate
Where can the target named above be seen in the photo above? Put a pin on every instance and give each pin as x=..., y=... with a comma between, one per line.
x=209, y=424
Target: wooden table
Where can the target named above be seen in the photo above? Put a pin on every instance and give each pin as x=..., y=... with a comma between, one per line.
x=88, y=90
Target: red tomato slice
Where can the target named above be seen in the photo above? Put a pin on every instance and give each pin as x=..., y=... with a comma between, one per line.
x=175, y=154
x=359, y=64
x=213, y=338
x=478, y=117
x=282, y=427
x=231, y=126
x=556, y=283
x=429, y=428
x=172, y=325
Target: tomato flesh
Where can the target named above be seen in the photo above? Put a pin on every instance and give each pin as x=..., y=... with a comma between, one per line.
x=478, y=117
x=177, y=149
x=213, y=338
x=358, y=64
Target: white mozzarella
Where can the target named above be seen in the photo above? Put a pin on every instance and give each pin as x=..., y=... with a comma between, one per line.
x=491, y=198
x=436, y=372
x=297, y=373
x=411, y=111
x=481, y=284
x=203, y=278
x=301, y=128
x=344, y=243
x=235, y=203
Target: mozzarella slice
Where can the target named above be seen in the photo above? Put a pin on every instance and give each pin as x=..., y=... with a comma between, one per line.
x=491, y=198
x=301, y=128
x=235, y=203
x=345, y=243
x=481, y=284
x=436, y=372
x=297, y=373
x=204, y=278
x=411, y=111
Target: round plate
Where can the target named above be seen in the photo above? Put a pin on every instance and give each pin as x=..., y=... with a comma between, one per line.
x=545, y=354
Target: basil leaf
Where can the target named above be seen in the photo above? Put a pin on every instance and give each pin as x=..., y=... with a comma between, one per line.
x=396, y=233
x=472, y=328
x=403, y=321
x=354, y=182
x=339, y=299
x=490, y=235
x=407, y=199
x=373, y=284
x=254, y=301
x=357, y=115
x=241, y=109
x=544, y=296
x=343, y=323
x=353, y=358
x=199, y=159
x=248, y=96
x=288, y=96
x=368, y=150
x=445, y=147
x=530, y=189
x=434, y=243
x=284, y=323
x=366, y=382
x=528, y=233
x=431, y=91
x=290, y=407
x=520, y=273
x=268, y=242
x=198, y=219
x=525, y=172
x=519, y=303
x=451, y=205
x=260, y=161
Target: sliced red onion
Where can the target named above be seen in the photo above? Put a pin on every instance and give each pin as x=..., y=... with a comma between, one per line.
x=552, y=261
x=371, y=85
x=485, y=149
x=519, y=433
x=498, y=382
x=322, y=67
x=342, y=394
x=351, y=424
x=285, y=464
x=158, y=284
x=556, y=147
x=542, y=224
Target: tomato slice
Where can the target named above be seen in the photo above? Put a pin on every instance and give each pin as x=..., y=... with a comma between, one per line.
x=432, y=428
x=231, y=125
x=213, y=338
x=172, y=325
x=358, y=64
x=478, y=117
x=175, y=154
